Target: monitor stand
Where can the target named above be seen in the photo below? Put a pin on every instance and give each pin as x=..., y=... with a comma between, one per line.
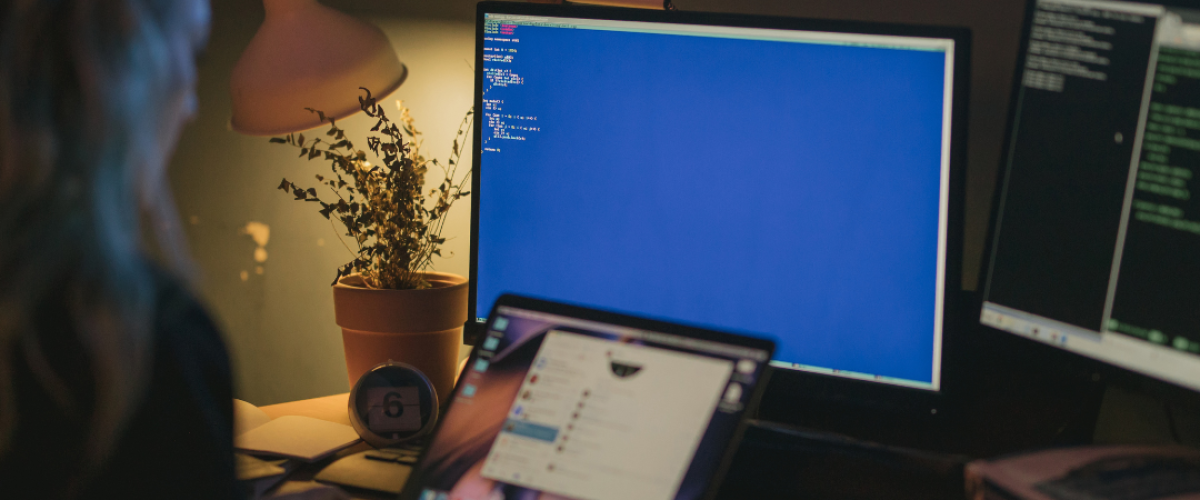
x=1007, y=395
x=783, y=462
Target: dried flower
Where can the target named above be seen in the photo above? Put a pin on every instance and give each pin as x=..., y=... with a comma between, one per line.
x=396, y=229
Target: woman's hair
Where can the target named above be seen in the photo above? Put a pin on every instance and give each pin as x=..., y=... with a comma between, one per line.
x=86, y=93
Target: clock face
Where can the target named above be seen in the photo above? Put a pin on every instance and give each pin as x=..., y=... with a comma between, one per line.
x=393, y=410
x=391, y=404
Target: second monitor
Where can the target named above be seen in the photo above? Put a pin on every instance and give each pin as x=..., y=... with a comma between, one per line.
x=1096, y=244
x=795, y=178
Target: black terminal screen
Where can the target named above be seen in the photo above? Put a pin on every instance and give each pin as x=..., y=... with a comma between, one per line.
x=1097, y=240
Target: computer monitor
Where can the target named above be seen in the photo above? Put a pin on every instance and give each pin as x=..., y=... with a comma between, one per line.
x=795, y=178
x=1096, y=235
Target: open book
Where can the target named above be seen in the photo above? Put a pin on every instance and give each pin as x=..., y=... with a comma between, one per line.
x=303, y=438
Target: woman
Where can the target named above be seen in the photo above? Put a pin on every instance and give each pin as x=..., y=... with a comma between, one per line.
x=113, y=381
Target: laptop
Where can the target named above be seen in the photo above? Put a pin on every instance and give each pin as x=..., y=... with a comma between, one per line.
x=566, y=402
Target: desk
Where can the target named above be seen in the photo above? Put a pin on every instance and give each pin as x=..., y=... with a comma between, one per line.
x=773, y=462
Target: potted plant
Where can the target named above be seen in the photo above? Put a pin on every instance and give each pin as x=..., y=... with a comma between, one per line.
x=387, y=300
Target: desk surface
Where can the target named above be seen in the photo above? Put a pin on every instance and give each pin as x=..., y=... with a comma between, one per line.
x=770, y=463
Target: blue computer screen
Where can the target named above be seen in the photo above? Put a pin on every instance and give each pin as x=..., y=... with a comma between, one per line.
x=792, y=187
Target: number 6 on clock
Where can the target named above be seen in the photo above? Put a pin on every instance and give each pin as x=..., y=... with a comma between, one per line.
x=393, y=409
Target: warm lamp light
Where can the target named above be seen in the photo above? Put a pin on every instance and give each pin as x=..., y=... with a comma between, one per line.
x=307, y=55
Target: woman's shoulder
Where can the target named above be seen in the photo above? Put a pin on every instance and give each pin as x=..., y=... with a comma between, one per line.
x=192, y=373
x=179, y=443
x=183, y=327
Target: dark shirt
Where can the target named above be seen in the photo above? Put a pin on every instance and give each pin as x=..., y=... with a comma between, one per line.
x=179, y=442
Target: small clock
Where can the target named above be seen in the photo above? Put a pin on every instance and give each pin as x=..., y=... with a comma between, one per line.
x=392, y=404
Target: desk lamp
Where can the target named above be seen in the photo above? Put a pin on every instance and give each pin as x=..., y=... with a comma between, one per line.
x=307, y=55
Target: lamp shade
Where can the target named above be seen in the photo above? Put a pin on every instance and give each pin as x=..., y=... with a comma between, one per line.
x=307, y=55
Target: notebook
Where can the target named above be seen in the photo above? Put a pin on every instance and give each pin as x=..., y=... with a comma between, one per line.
x=292, y=436
x=561, y=401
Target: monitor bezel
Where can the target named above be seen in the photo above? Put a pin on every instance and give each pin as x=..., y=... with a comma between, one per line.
x=791, y=392
x=1068, y=364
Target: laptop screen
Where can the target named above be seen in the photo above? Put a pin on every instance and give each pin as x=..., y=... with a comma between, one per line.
x=557, y=406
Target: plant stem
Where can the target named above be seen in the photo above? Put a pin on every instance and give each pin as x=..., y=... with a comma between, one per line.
x=339, y=237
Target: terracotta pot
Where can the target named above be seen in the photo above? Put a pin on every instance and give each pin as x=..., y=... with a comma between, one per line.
x=420, y=327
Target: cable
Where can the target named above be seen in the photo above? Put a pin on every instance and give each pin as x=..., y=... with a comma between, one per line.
x=1171, y=422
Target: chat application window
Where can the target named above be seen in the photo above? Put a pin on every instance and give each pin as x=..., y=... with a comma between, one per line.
x=601, y=420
